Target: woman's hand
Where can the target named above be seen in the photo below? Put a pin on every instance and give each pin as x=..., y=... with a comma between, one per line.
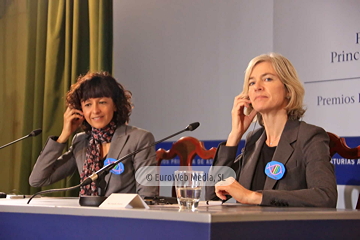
x=231, y=187
x=240, y=121
x=73, y=119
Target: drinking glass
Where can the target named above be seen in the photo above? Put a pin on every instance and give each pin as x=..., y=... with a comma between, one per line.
x=188, y=188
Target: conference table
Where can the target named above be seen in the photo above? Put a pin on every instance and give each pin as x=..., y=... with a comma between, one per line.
x=64, y=218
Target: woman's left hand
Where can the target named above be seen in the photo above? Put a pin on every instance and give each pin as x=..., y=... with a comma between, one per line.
x=233, y=188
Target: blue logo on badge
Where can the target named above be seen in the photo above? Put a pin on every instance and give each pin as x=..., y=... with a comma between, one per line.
x=118, y=169
x=275, y=170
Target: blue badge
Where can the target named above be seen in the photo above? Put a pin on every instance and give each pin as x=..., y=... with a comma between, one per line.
x=275, y=170
x=118, y=169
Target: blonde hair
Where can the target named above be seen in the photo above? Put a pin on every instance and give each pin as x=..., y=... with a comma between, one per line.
x=288, y=76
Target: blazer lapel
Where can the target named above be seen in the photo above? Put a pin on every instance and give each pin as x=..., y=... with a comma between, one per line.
x=82, y=154
x=118, y=142
x=250, y=161
x=284, y=149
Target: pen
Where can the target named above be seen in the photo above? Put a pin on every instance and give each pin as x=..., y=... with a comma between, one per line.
x=222, y=201
x=227, y=198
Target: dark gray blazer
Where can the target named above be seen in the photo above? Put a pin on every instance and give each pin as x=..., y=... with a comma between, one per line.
x=309, y=179
x=52, y=166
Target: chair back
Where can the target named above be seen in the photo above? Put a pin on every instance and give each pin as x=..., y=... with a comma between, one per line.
x=186, y=148
x=339, y=146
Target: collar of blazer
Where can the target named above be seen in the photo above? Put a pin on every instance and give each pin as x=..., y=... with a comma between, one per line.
x=118, y=142
x=282, y=153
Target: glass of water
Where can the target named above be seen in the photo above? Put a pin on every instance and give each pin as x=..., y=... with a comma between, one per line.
x=188, y=188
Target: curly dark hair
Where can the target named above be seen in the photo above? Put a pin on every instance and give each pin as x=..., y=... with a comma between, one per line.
x=96, y=85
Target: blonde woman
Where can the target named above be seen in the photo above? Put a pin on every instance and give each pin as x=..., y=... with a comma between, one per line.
x=286, y=162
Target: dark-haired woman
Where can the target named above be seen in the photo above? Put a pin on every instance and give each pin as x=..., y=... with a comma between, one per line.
x=101, y=107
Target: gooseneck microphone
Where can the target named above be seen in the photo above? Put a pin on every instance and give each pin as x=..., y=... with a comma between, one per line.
x=32, y=134
x=105, y=170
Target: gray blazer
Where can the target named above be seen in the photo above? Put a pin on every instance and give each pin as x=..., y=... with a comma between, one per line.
x=52, y=166
x=309, y=179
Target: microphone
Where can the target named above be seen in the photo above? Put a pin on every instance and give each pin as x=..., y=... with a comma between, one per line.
x=35, y=132
x=105, y=170
x=192, y=126
x=32, y=134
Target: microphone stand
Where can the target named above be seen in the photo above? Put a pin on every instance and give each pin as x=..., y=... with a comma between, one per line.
x=14, y=141
x=95, y=201
x=32, y=134
x=98, y=175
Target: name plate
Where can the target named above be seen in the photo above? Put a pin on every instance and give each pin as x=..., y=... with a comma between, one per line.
x=124, y=200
